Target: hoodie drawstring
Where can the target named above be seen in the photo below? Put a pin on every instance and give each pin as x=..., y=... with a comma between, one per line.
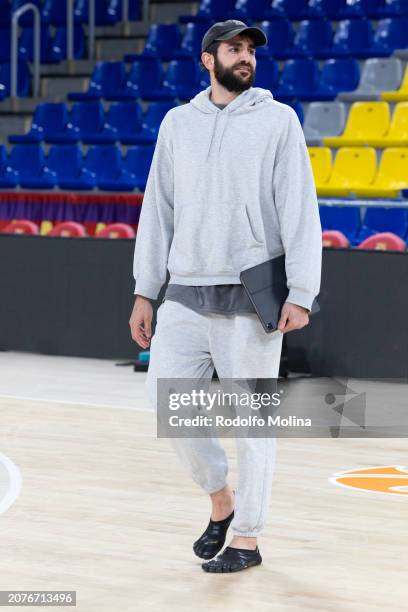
x=213, y=134
x=248, y=98
x=215, y=130
x=223, y=131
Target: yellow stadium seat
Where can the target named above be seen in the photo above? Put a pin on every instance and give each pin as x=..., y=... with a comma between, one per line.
x=99, y=227
x=366, y=120
x=397, y=135
x=353, y=167
x=392, y=175
x=45, y=227
x=321, y=160
x=401, y=94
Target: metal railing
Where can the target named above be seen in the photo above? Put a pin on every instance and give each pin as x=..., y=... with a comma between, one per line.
x=379, y=203
x=125, y=11
x=70, y=29
x=14, y=48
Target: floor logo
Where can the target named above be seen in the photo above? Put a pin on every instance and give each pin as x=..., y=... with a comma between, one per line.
x=389, y=479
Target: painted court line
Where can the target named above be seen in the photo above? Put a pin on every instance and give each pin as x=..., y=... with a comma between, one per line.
x=72, y=402
x=15, y=484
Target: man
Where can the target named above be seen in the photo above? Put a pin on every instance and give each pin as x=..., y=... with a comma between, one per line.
x=230, y=186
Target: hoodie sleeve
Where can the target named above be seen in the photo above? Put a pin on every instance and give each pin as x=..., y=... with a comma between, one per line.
x=156, y=221
x=295, y=199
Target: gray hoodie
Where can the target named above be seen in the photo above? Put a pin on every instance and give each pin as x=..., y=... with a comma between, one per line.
x=228, y=189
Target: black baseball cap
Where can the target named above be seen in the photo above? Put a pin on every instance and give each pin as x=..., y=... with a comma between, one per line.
x=223, y=30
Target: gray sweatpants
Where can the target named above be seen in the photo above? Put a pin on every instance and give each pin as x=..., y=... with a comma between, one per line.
x=188, y=344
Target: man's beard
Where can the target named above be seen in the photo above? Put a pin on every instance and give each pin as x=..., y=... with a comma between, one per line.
x=228, y=78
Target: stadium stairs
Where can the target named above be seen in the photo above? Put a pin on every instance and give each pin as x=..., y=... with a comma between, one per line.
x=111, y=43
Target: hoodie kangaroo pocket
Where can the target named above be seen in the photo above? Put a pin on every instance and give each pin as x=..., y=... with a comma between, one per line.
x=251, y=228
x=213, y=242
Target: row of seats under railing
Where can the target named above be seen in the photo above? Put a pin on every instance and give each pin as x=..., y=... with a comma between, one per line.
x=381, y=241
x=31, y=7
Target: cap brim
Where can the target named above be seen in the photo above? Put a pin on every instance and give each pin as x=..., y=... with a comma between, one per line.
x=257, y=35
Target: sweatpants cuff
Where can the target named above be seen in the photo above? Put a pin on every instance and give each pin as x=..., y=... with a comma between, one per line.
x=214, y=489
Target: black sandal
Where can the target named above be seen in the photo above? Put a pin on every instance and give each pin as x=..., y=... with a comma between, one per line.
x=213, y=538
x=233, y=560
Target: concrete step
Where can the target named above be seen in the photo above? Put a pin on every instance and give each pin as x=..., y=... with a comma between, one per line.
x=112, y=43
x=78, y=68
x=56, y=88
x=133, y=28
x=115, y=48
x=18, y=106
x=169, y=12
x=13, y=124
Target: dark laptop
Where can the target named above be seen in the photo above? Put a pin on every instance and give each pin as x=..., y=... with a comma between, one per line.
x=266, y=286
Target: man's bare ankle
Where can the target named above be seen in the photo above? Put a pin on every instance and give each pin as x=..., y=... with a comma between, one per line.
x=222, y=503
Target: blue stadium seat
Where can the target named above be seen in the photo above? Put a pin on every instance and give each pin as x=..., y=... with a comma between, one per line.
x=393, y=8
x=251, y=10
x=328, y=9
x=55, y=12
x=26, y=44
x=346, y=219
x=58, y=51
x=376, y=220
x=146, y=75
x=162, y=40
x=182, y=78
x=311, y=37
x=5, y=39
x=354, y=37
x=109, y=80
x=106, y=162
x=89, y=117
x=107, y=12
x=138, y=161
x=280, y=34
x=29, y=161
x=5, y=13
x=360, y=8
x=298, y=108
x=295, y=10
x=205, y=79
x=8, y=176
x=67, y=162
x=102, y=14
x=127, y=118
x=211, y=10
x=23, y=81
x=191, y=42
x=154, y=115
x=114, y=11
x=267, y=73
x=337, y=75
x=299, y=79
x=50, y=123
x=341, y=9
x=391, y=34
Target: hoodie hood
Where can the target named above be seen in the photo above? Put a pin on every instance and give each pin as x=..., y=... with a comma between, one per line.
x=249, y=101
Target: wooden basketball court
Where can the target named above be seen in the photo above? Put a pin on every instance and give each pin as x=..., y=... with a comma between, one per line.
x=92, y=501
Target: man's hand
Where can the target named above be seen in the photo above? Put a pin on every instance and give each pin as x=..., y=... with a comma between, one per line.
x=293, y=317
x=141, y=321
